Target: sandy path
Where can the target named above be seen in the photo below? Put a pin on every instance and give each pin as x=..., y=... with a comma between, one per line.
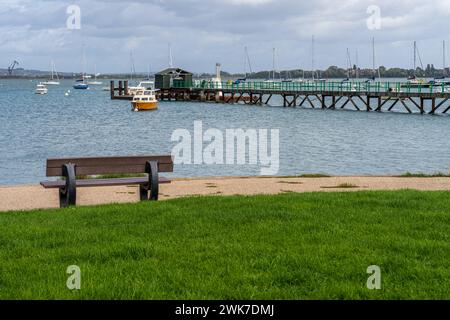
x=35, y=197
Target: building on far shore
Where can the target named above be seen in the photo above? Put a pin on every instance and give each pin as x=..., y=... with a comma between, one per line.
x=169, y=77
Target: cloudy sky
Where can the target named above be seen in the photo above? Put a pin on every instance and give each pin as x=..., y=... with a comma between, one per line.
x=203, y=32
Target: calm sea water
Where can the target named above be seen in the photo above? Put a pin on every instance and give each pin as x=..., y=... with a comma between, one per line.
x=87, y=123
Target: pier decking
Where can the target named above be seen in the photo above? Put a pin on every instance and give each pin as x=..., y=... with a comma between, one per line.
x=360, y=96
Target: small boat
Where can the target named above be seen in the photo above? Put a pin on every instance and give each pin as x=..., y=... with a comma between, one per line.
x=150, y=85
x=81, y=85
x=415, y=83
x=51, y=83
x=41, y=89
x=96, y=83
x=144, y=100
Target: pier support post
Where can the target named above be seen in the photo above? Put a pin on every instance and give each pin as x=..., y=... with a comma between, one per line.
x=111, y=88
x=120, y=87
x=218, y=95
x=433, y=105
x=125, y=87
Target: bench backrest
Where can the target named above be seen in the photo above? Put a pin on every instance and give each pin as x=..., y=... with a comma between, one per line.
x=109, y=165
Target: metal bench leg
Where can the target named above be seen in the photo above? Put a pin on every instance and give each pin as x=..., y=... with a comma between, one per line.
x=143, y=192
x=68, y=194
x=151, y=167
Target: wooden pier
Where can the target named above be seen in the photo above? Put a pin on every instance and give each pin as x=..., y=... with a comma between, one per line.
x=359, y=96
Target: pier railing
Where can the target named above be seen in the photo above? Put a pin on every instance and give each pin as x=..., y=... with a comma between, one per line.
x=328, y=86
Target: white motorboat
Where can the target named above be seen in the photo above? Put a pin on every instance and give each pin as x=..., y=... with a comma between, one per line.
x=150, y=85
x=41, y=89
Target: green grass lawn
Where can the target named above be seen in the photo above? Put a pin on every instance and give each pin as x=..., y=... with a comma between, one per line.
x=290, y=246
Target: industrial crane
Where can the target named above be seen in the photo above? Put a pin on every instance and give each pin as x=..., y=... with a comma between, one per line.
x=12, y=66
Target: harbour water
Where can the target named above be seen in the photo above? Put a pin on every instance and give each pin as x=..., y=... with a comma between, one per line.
x=87, y=123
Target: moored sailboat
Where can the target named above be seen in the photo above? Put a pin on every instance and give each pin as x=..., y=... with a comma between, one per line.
x=95, y=82
x=54, y=75
x=80, y=85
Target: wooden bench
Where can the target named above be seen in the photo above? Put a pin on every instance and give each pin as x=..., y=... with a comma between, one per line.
x=70, y=168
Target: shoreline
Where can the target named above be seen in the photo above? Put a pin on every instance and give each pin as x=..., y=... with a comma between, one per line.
x=33, y=196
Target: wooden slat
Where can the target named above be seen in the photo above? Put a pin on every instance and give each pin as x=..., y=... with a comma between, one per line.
x=108, y=165
x=86, y=171
x=101, y=182
x=105, y=161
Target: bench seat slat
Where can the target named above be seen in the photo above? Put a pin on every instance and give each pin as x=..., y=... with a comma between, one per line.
x=88, y=170
x=108, y=161
x=101, y=182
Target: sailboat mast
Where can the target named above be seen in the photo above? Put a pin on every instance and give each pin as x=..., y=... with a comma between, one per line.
x=373, y=56
x=170, y=56
x=84, y=63
x=415, y=57
x=443, y=58
x=133, y=68
x=245, y=62
x=312, y=57
x=356, y=64
x=56, y=72
x=248, y=61
x=273, y=64
x=348, y=64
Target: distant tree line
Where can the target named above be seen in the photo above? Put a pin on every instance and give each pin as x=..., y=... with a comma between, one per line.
x=336, y=72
